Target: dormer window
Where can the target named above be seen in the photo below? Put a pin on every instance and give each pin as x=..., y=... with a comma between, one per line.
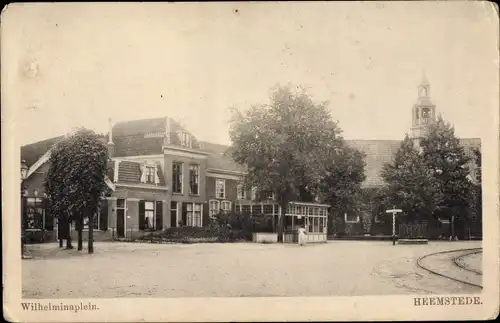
x=150, y=174
x=185, y=139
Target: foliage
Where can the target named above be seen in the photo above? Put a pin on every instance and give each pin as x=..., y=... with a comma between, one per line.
x=341, y=185
x=285, y=145
x=224, y=227
x=75, y=179
x=410, y=183
x=246, y=222
x=449, y=165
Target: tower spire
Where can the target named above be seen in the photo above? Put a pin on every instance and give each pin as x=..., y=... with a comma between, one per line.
x=423, y=112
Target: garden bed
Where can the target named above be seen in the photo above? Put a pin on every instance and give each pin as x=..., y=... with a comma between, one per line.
x=207, y=234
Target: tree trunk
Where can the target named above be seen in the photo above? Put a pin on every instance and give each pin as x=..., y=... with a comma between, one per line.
x=281, y=216
x=67, y=230
x=91, y=233
x=80, y=233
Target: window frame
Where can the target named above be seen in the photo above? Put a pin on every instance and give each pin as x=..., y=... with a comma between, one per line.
x=150, y=174
x=253, y=193
x=226, y=202
x=180, y=177
x=240, y=192
x=213, y=211
x=193, y=215
x=185, y=139
x=196, y=169
x=153, y=210
x=223, y=181
x=351, y=221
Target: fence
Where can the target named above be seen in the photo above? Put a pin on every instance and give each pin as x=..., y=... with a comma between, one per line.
x=412, y=231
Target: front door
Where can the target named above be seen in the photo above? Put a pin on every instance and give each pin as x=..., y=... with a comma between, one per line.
x=120, y=223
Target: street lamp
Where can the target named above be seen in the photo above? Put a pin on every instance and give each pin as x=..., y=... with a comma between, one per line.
x=24, y=174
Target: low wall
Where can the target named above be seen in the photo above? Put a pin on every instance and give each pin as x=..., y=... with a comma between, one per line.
x=309, y=237
x=315, y=237
x=264, y=237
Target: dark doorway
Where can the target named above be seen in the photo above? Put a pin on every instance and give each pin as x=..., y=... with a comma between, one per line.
x=120, y=223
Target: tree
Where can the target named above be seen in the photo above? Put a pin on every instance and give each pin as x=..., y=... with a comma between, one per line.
x=449, y=165
x=284, y=145
x=477, y=192
x=341, y=185
x=410, y=184
x=75, y=181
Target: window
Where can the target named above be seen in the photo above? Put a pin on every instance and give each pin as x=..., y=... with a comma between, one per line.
x=177, y=178
x=193, y=215
x=220, y=188
x=240, y=192
x=120, y=203
x=194, y=179
x=425, y=113
x=214, y=208
x=349, y=218
x=268, y=209
x=253, y=193
x=226, y=206
x=95, y=220
x=150, y=174
x=149, y=215
x=34, y=214
x=185, y=139
x=270, y=196
x=246, y=209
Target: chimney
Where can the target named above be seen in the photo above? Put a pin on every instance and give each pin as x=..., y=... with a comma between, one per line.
x=111, y=145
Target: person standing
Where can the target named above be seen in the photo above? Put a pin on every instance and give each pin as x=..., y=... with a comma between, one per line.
x=302, y=235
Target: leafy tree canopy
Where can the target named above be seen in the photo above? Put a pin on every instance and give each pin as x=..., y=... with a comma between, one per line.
x=284, y=144
x=75, y=179
x=410, y=183
x=341, y=185
x=449, y=165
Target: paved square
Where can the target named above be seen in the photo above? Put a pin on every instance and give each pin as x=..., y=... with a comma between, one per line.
x=337, y=268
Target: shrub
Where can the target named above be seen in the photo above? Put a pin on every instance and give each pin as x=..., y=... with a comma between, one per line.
x=224, y=227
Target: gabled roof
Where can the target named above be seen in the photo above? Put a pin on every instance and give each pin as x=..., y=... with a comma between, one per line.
x=145, y=136
x=142, y=126
x=220, y=157
x=33, y=152
x=377, y=153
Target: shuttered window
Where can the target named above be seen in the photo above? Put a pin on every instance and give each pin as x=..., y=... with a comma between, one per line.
x=142, y=217
x=159, y=215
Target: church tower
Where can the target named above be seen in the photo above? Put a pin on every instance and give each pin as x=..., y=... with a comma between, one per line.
x=423, y=112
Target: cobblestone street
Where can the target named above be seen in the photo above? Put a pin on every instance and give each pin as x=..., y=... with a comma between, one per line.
x=338, y=268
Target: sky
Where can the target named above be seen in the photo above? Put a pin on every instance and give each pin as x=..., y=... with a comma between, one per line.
x=69, y=65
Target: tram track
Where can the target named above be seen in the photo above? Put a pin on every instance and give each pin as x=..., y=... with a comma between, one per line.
x=455, y=261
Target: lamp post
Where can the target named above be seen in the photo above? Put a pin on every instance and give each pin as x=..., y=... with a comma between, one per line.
x=394, y=211
x=24, y=173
